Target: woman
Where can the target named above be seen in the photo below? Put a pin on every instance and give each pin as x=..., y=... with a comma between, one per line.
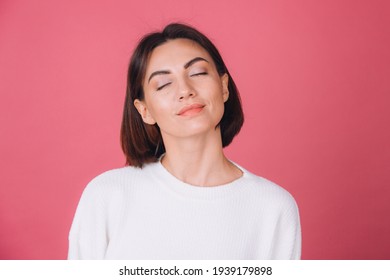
x=181, y=198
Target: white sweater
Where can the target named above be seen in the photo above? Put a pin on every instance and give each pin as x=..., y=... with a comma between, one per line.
x=132, y=213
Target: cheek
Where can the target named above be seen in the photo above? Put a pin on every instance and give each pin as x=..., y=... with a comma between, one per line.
x=159, y=109
x=217, y=94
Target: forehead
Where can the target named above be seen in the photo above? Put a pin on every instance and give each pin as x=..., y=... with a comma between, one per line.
x=175, y=53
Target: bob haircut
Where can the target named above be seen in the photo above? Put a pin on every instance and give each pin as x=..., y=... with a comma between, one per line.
x=142, y=143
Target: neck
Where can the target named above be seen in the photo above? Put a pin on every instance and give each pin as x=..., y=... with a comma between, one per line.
x=199, y=160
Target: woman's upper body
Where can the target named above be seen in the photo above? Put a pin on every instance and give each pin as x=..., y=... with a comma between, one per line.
x=192, y=203
x=132, y=213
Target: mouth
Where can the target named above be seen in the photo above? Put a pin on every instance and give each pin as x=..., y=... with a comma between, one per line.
x=190, y=110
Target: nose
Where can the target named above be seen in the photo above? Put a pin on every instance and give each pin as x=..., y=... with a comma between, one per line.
x=186, y=95
x=185, y=90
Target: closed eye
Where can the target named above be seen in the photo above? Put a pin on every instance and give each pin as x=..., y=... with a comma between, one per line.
x=199, y=74
x=163, y=86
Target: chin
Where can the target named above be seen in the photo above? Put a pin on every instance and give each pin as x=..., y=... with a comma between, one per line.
x=198, y=129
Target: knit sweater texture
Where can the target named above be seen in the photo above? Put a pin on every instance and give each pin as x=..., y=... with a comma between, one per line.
x=133, y=213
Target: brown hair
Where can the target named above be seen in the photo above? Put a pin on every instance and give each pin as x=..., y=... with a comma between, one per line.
x=141, y=142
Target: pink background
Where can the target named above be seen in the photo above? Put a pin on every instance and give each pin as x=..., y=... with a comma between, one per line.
x=315, y=83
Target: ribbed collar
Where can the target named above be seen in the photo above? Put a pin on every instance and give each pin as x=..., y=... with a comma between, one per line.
x=172, y=183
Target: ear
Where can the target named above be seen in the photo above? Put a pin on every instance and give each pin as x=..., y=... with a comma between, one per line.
x=144, y=112
x=225, y=86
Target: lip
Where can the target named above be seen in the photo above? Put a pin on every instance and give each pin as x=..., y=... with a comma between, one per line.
x=190, y=109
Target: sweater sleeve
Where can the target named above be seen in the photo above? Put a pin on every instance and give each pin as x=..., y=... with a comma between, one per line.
x=88, y=237
x=288, y=234
x=297, y=236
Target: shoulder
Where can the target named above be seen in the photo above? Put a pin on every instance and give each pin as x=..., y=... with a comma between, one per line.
x=115, y=181
x=115, y=176
x=268, y=192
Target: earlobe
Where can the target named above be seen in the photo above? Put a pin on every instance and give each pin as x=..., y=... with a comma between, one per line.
x=144, y=112
x=225, y=87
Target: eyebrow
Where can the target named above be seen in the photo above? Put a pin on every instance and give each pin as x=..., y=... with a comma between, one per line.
x=188, y=64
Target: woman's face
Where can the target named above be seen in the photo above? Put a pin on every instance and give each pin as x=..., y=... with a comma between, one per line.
x=184, y=94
